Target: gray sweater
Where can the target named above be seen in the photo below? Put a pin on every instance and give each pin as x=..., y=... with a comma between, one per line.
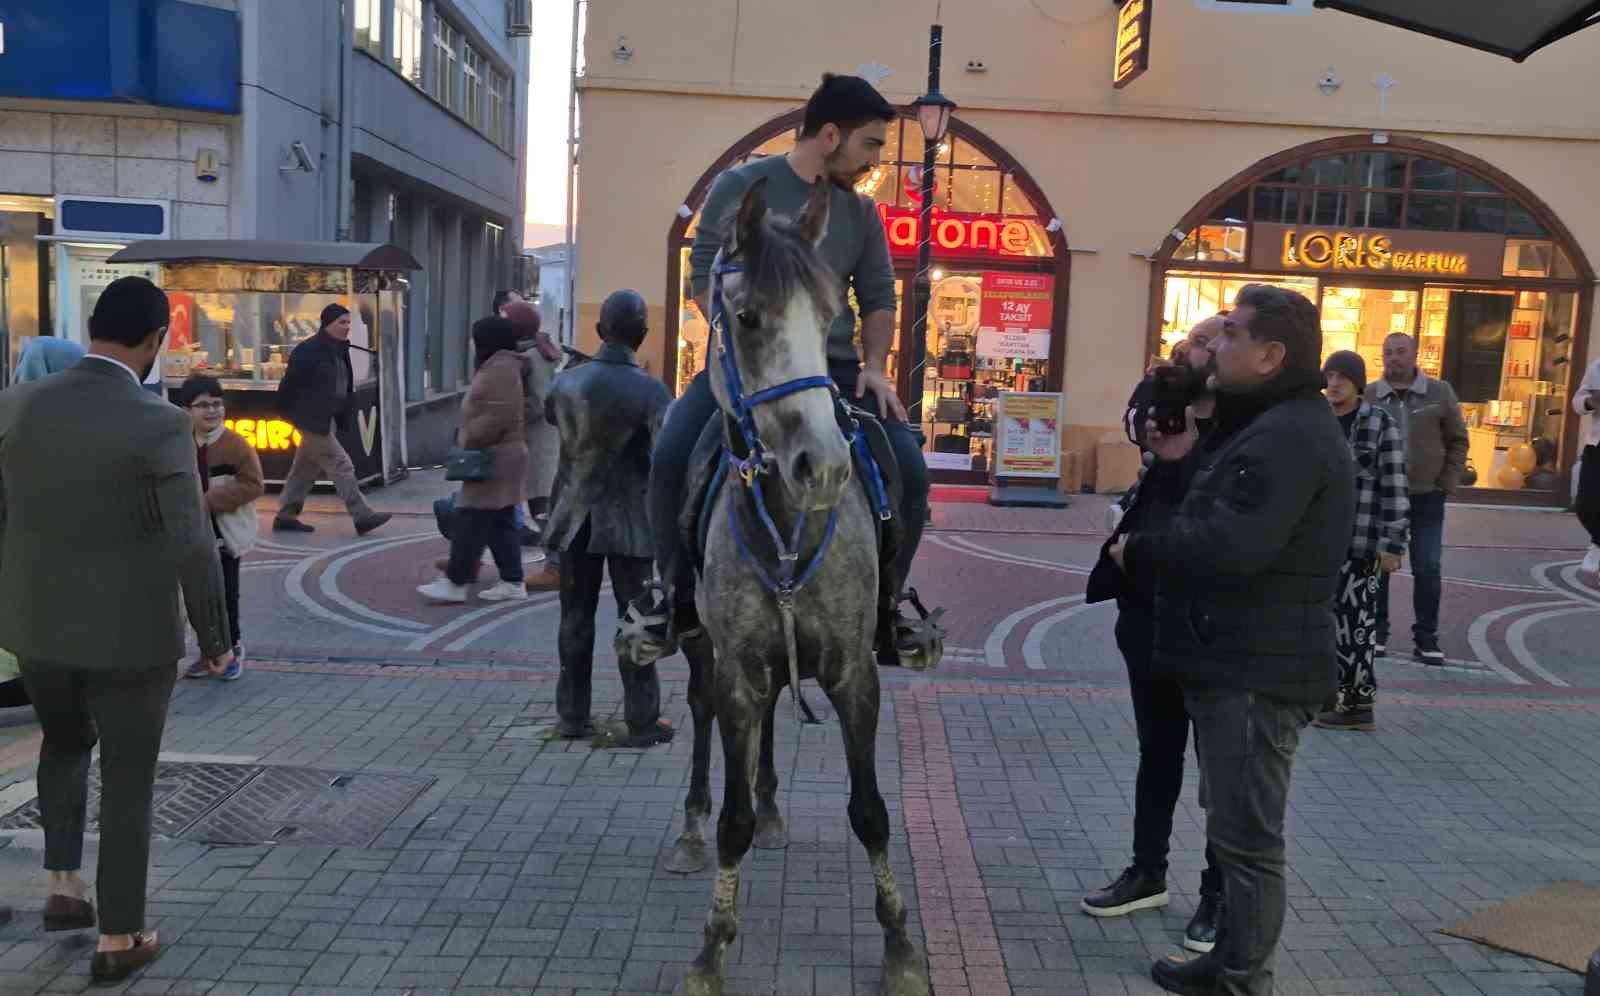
x=855, y=246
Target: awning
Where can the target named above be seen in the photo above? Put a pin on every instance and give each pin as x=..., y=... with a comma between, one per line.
x=352, y=255
x=1513, y=28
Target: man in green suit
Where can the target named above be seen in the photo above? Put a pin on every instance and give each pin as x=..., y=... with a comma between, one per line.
x=102, y=527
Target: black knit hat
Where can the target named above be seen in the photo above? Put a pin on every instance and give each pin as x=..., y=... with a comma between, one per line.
x=1348, y=365
x=333, y=313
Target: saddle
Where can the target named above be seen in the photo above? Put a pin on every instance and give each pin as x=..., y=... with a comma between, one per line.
x=707, y=469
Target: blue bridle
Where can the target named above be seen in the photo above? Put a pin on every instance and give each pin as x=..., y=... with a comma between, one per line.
x=783, y=583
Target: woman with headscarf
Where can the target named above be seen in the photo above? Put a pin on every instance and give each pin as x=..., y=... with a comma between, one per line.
x=42, y=357
x=485, y=514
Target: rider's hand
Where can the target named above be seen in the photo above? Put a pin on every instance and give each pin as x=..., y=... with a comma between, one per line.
x=878, y=383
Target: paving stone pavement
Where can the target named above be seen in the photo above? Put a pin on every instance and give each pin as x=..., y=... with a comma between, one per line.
x=533, y=865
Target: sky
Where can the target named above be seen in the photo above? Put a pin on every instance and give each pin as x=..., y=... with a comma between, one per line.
x=548, y=79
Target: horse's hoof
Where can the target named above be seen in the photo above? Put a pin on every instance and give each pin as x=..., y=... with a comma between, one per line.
x=770, y=835
x=904, y=971
x=699, y=983
x=687, y=857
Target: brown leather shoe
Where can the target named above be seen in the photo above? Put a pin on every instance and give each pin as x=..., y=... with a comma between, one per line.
x=546, y=578
x=67, y=913
x=114, y=966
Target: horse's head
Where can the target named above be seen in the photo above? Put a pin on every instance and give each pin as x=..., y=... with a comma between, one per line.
x=775, y=296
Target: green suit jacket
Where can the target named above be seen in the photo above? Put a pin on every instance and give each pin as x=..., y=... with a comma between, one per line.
x=102, y=526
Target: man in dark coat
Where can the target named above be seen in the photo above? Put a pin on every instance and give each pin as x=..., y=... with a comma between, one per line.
x=1245, y=573
x=315, y=397
x=609, y=412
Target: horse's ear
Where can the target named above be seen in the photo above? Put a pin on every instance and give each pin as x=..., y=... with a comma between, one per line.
x=752, y=213
x=814, y=219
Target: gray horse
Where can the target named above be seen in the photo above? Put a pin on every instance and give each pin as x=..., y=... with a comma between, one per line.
x=776, y=296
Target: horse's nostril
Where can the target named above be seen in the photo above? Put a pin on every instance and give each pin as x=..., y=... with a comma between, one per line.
x=804, y=473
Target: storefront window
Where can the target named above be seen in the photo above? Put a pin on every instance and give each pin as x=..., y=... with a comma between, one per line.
x=1359, y=320
x=1191, y=297
x=24, y=277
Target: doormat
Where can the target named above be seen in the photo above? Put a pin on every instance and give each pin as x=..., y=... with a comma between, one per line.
x=957, y=494
x=1557, y=923
x=254, y=804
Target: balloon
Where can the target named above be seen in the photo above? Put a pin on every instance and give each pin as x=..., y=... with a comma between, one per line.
x=1521, y=456
x=1511, y=478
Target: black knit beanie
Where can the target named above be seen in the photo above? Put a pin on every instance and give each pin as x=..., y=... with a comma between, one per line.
x=333, y=313
x=1350, y=365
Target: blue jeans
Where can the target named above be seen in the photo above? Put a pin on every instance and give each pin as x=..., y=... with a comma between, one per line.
x=687, y=418
x=1427, y=552
x=1247, y=744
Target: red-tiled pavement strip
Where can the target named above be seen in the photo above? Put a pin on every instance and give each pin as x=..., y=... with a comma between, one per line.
x=963, y=949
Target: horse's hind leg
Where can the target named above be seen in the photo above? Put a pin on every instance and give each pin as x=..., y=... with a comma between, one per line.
x=856, y=701
x=770, y=835
x=739, y=718
x=689, y=853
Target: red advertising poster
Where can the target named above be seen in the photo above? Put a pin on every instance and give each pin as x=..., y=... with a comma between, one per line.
x=1014, y=318
x=180, y=327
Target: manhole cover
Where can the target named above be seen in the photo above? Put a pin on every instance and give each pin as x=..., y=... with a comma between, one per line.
x=184, y=792
x=306, y=805
x=251, y=804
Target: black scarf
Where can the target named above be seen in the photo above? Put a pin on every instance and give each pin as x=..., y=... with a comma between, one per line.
x=1235, y=411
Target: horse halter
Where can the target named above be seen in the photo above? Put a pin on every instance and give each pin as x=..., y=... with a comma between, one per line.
x=782, y=583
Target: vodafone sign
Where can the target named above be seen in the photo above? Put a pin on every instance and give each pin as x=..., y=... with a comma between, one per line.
x=964, y=234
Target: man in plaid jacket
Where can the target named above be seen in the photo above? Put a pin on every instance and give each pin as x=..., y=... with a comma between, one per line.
x=1381, y=522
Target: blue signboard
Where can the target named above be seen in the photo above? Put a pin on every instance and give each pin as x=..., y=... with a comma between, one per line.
x=168, y=53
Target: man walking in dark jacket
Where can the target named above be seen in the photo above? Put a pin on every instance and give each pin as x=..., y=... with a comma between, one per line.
x=315, y=397
x=1245, y=573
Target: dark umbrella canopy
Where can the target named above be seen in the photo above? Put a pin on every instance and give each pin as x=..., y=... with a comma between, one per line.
x=1512, y=28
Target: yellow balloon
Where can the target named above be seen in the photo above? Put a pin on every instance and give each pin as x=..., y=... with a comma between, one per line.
x=1521, y=456
x=1511, y=478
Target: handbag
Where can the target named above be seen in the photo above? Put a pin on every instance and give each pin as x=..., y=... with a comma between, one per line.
x=238, y=527
x=468, y=465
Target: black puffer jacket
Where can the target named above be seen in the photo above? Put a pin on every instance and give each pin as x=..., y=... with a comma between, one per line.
x=309, y=395
x=1245, y=571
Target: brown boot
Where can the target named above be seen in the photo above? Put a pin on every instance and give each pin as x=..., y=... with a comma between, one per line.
x=545, y=578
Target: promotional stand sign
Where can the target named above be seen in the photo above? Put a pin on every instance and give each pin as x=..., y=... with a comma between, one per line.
x=1027, y=452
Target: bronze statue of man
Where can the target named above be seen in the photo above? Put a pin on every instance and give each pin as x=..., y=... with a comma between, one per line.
x=608, y=412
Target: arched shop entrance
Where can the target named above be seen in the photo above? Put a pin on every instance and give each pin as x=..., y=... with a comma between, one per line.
x=994, y=242
x=1408, y=236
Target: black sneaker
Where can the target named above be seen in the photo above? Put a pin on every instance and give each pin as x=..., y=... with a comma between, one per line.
x=1428, y=652
x=1382, y=649
x=285, y=524
x=1133, y=890
x=1201, y=934
x=1187, y=976
x=368, y=523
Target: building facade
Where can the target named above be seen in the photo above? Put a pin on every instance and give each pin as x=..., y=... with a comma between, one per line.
x=297, y=120
x=1402, y=183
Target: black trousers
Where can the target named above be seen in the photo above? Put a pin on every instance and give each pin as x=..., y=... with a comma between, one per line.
x=582, y=574
x=1588, y=501
x=128, y=711
x=1163, y=723
x=472, y=529
x=230, y=584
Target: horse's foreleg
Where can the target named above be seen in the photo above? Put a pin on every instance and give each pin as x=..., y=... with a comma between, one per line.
x=739, y=717
x=689, y=853
x=856, y=701
x=770, y=835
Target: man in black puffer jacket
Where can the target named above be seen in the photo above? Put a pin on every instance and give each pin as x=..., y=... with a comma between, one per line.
x=1244, y=578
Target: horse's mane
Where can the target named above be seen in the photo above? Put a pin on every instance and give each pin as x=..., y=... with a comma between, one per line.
x=781, y=263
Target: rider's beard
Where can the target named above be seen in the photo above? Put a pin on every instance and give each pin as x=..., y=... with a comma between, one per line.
x=833, y=167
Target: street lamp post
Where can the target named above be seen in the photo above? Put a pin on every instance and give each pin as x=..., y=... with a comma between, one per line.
x=933, y=115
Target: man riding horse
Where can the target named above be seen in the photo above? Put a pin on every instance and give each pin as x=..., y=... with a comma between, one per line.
x=842, y=140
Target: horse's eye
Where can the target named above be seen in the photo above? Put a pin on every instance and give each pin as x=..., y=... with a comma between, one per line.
x=750, y=319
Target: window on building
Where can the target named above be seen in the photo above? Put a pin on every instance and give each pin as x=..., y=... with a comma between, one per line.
x=406, y=47
x=494, y=237
x=500, y=109
x=369, y=26
x=446, y=86
x=473, y=68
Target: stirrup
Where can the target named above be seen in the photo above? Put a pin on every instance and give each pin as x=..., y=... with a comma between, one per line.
x=919, y=642
x=644, y=633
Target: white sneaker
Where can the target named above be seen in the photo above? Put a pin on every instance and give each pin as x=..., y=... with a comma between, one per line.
x=504, y=591
x=1591, y=565
x=443, y=591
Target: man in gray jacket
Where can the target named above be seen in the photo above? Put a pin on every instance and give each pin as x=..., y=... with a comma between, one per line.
x=102, y=528
x=1429, y=417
